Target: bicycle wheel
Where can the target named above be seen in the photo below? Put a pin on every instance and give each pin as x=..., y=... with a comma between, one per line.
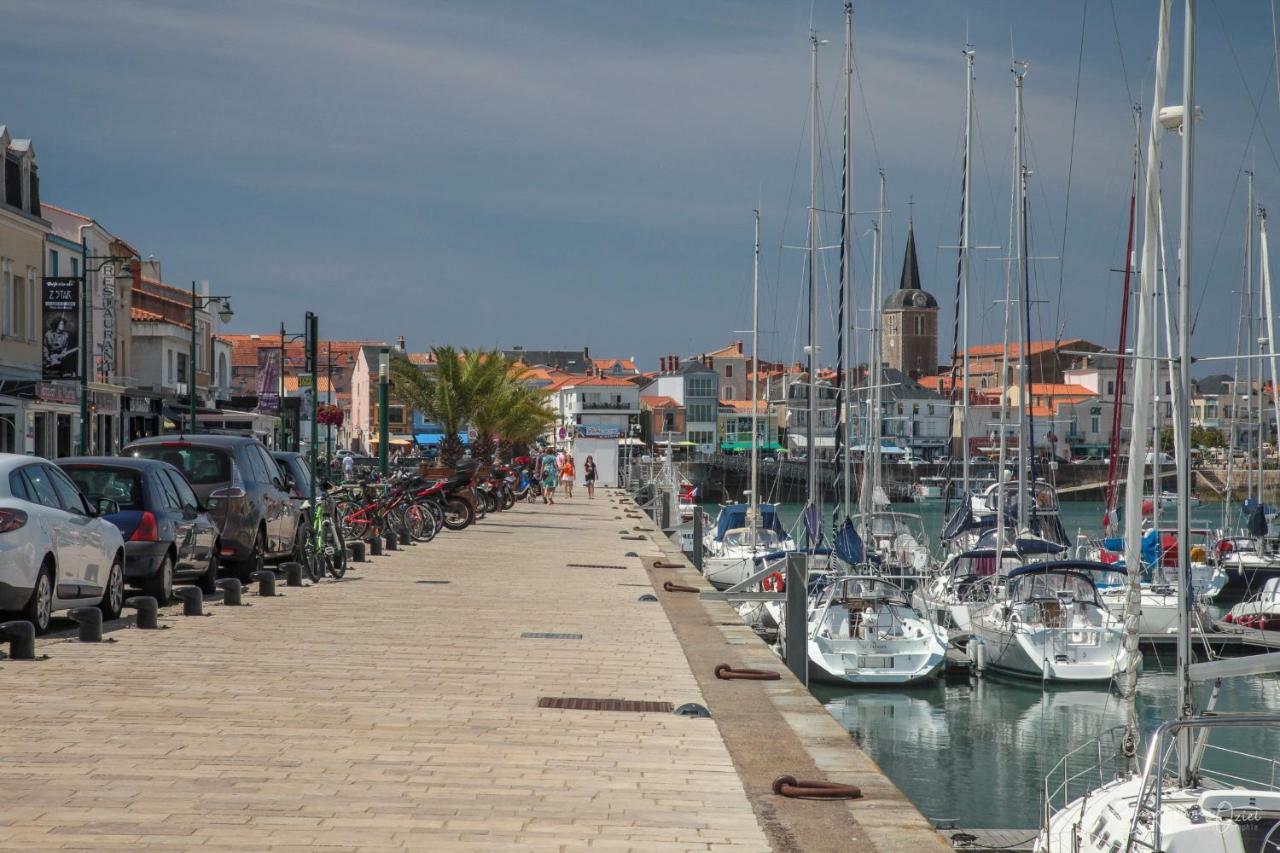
x=354, y=520
x=313, y=557
x=335, y=549
x=421, y=524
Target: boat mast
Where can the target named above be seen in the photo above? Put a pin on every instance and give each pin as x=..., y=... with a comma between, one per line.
x=877, y=350
x=1140, y=417
x=1020, y=176
x=1184, y=383
x=811, y=522
x=1257, y=337
x=845, y=372
x=753, y=515
x=1250, y=340
x=1269, y=313
x=1117, y=402
x=964, y=271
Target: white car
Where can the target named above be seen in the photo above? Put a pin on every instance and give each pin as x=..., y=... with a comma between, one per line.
x=55, y=552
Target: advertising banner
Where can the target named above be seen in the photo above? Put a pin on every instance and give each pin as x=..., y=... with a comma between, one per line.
x=60, y=320
x=268, y=379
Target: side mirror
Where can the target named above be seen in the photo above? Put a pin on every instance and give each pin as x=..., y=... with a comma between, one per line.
x=106, y=506
x=275, y=481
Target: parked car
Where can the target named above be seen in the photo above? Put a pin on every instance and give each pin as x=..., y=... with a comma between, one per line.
x=167, y=530
x=247, y=495
x=300, y=473
x=55, y=551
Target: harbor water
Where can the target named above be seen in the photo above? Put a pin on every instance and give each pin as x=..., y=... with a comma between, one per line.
x=936, y=740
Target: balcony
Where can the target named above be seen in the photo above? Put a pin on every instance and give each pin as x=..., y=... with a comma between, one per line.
x=602, y=406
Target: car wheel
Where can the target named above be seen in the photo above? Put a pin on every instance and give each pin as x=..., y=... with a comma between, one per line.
x=160, y=585
x=208, y=582
x=113, y=596
x=255, y=562
x=39, y=608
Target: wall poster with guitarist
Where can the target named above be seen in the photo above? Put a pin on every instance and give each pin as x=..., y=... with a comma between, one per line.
x=61, y=324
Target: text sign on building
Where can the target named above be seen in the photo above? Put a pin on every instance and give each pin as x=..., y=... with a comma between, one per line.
x=60, y=320
x=107, y=348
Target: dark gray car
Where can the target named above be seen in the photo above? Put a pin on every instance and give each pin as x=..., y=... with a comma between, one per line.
x=247, y=495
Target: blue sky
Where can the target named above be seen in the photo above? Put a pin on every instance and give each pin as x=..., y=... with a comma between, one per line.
x=556, y=174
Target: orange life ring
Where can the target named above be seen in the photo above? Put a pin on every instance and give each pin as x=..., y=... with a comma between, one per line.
x=774, y=582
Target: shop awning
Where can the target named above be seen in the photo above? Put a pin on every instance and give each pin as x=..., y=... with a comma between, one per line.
x=746, y=445
x=431, y=439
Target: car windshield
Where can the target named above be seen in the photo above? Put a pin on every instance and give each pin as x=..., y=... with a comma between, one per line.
x=204, y=466
x=122, y=485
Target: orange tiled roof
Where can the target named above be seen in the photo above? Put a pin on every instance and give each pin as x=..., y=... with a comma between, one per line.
x=610, y=363
x=658, y=401
x=1036, y=348
x=595, y=381
x=140, y=315
x=731, y=351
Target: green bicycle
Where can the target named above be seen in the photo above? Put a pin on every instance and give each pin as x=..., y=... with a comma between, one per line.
x=325, y=551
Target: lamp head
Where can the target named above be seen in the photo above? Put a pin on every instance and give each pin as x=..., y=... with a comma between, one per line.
x=224, y=312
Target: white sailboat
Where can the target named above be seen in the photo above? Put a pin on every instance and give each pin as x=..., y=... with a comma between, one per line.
x=1178, y=803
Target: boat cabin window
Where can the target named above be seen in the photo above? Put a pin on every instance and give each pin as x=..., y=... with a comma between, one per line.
x=741, y=538
x=1055, y=586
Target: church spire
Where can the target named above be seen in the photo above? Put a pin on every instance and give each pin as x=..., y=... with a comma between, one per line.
x=910, y=267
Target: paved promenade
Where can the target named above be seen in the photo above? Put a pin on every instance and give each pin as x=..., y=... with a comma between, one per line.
x=382, y=712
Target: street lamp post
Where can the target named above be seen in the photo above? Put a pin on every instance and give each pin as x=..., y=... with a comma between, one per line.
x=384, y=378
x=313, y=362
x=225, y=314
x=285, y=338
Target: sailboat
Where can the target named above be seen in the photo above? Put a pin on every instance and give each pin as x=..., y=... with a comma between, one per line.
x=1177, y=803
x=745, y=535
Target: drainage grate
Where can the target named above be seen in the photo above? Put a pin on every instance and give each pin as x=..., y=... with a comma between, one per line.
x=571, y=704
x=646, y=585
x=432, y=581
x=548, y=635
x=592, y=566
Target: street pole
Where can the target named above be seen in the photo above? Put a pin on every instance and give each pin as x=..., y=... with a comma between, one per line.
x=313, y=362
x=384, y=377
x=82, y=446
x=280, y=445
x=191, y=368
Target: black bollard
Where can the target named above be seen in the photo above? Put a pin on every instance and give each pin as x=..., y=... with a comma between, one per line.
x=231, y=591
x=192, y=600
x=393, y=544
x=266, y=582
x=356, y=550
x=292, y=574
x=90, y=619
x=21, y=637
x=146, y=607
x=375, y=546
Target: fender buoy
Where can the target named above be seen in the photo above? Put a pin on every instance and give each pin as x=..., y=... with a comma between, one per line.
x=1225, y=547
x=774, y=582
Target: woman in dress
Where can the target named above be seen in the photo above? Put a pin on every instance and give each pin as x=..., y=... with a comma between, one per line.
x=589, y=472
x=566, y=475
x=550, y=476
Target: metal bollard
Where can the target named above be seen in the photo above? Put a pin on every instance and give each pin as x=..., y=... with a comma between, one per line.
x=292, y=574
x=90, y=619
x=192, y=600
x=375, y=546
x=231, y=591
x=146, y=607
x=356, y=550
x=266, y=582
x=393, y=544
x=21, y=637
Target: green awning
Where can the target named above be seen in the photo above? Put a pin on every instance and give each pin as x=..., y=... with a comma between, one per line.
x=746, y=445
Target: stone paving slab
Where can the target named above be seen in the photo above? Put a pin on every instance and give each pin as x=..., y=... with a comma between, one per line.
x=378, y=713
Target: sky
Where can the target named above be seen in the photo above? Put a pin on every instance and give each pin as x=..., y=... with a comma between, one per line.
x=575, y=173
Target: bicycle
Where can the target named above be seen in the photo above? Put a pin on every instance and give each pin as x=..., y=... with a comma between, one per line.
x=325, y=549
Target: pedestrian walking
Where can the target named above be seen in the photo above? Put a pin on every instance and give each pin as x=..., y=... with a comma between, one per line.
x=589, y=473
x=566, y=475
x=348, y=468
x=550, y=474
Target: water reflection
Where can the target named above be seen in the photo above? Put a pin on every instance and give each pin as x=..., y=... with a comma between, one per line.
x=978, y=753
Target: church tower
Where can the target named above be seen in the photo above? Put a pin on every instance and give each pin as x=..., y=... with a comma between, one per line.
x=910, y=320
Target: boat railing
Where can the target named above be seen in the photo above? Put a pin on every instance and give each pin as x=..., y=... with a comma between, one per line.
x=1085, y=768
x=1151, y=793
x=1267, y=774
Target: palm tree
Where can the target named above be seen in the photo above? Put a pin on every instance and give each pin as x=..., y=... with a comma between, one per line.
x=443, y=398
x=511, y=413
